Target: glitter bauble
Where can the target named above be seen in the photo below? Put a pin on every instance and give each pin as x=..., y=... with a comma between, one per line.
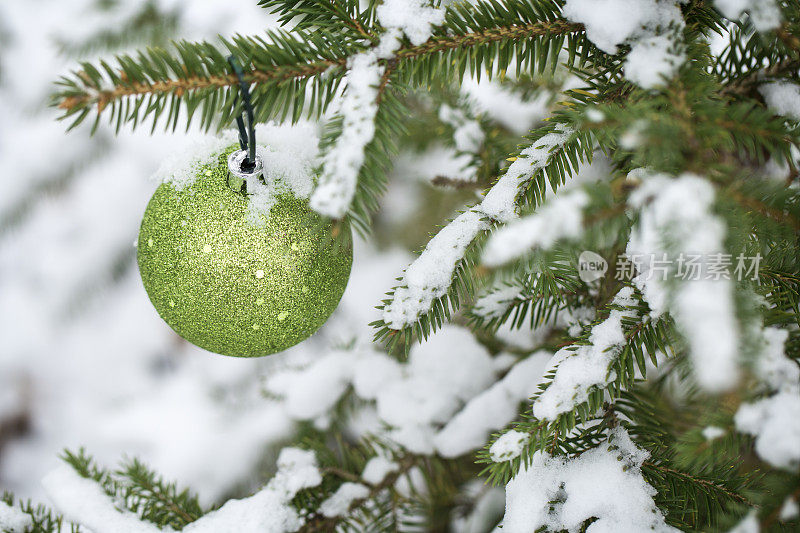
x=233, y=287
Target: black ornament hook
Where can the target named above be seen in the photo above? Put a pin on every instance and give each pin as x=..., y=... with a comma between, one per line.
x=247, y=132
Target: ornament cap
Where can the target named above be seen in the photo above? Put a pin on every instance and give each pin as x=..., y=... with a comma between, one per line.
x=241, y=170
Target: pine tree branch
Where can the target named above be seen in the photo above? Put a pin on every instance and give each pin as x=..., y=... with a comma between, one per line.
x=200, y=71
x=145, y=484
x=745, y=85
x=755, y=204
x=490, y=35
x=324, y=523
x=788, y=38
x=772, y=517
x=325, y=14
x=563, y=161
x=179, y=86
x=699, y=481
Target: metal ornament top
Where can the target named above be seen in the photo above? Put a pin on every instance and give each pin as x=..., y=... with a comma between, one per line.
x=241, y=169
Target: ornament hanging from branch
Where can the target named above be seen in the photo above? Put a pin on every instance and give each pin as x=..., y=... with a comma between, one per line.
x=227, y=284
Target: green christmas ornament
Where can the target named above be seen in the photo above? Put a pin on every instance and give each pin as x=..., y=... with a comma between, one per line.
x=233, y=287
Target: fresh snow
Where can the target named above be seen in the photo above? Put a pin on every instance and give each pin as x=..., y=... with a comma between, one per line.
x=652, y=60
x=441, y=374
x=269, y=510
x=415, y=18
x=430, y=275
x=467, y=133
x=605, y=483
x=455, y=359
x=338, y=503
x=482, y=516
x=377, y=468
x=342, y=163
x=508, y=446
x=500, y=202
x=580, y=369
x=434, y=162
x=83, y=501
x=311, y=392
x=775, y=423
x=712, y=432
x=649, y=26
x=412, y=399
x=764, y=14
x=772, y=366
x=748, y=524
x=610, y=23
x=180, y=169
x=503, y=105
x=289, y=155
x=559, y=218
x=676, y=216
x=774, y=420
x=789, y=510
x=359, y=106
x=492, y=409
x=372, y=374
x=496, y=302
x=13, y=519
x=782, y=97
x=468, y=138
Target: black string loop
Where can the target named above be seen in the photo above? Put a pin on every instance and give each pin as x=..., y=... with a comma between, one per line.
x=247, y=128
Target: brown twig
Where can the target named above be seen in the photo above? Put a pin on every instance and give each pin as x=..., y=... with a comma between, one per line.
x=344, y=474
x=446, y=181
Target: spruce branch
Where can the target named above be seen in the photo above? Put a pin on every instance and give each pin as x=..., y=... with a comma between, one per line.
x=707, y=119
x=126, y=88
x=280, y=69
x=139, y=490
x=543, y=294
x=197, y=77
x=43, y=519
x=158, y=501
x=643, y=338
x=705, y=484
x=468, y=276
x=514, y=32
x=759, y=206
x=772, y=517
x=746, y=85
x=323, y=523
x=330, y=15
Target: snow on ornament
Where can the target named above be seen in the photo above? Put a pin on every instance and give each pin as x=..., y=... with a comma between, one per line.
x=236, y=283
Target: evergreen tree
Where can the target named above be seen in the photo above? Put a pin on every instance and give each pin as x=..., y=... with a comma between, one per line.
x=662, y=390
